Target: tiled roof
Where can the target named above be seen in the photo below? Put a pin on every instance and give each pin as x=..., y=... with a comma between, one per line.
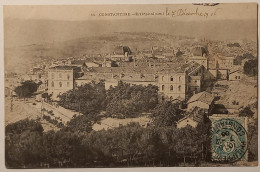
x=119, y=76
x=64, y=67
x=226, y=57
x=203, y=97
x=195, y=115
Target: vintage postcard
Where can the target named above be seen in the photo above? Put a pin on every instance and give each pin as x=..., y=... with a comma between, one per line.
x=108, y=86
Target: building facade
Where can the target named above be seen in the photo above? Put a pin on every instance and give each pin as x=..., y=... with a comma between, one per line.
x=172, y=85
x=61, y=79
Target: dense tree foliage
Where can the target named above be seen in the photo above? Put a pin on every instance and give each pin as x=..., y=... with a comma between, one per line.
x=251, y=67
x=20, y=137
x=167, y=114
x=253, y=140
x=26, y=89
x=88, y=98
x=131, y=100
x=246, y=112
x=82, y=123
x=130, y=145
x=239, y=58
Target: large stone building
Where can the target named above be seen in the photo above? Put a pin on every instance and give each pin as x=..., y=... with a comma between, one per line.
x=121, y=53
x=61, y=79
x=180, y=82
x=199, y=54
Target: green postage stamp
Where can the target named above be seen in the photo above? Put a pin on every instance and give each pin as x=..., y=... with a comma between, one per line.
x=229, y=139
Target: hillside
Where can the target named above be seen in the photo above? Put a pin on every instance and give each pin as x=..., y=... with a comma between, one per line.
x=27, y=41
x=26, y=55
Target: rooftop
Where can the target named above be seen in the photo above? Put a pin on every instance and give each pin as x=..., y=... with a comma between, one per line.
x=204, y=97
x=64, y=67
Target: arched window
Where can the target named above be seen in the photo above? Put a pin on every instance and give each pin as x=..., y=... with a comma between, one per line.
x=68, y=76
x=52, y=84
x=162, y=87
x=60, y=84
x=60, y=75
x=179, y=78
x=162, y=78
x=179, y=88
x=171, y=78
x=171, y=88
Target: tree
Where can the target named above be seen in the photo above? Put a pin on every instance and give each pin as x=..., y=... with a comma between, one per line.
x=82, y=123
x=239, y=58
x=246, y=112
x=253, y=140
x=26, y=89
x=131, y=100
x=23, y=143
x=89, y=98
x=251, y=67
x=167, y=114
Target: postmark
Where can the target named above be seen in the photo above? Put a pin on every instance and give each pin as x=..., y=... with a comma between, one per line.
x=229, y=140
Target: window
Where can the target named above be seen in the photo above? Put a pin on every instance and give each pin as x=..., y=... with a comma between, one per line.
x=60, y=75
x=171, y=78
x=171, y=88
x=60, y=84
x=179, y=88
x=195, y=81
x=52, y=75
x=162, y=78
x=52, y=84
x=68, y=76
x=162, y=87
x=68, y=84
x=179, y=78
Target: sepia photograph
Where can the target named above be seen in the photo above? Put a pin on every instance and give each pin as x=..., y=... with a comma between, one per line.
x=130, y=85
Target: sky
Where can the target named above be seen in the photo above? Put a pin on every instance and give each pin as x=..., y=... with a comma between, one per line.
x=242, y=11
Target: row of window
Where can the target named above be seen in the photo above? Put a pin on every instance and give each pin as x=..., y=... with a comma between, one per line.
x=171, y=87
x=60, y=84
x=171, y=78
x=60, y=76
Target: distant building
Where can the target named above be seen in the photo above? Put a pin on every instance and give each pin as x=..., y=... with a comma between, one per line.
x=85, y=63
x=224, y=62
x=172, y=85
x=111, y=76
x=199, y=54
x=192, y=119
x=182, y=81
x=61, y=79
x=202, y=100
x=121, y=53
x=235, y=75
